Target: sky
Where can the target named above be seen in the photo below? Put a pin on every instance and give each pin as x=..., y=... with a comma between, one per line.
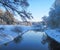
x=39, y=8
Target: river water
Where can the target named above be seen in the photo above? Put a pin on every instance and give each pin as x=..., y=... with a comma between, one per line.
x=29, y=41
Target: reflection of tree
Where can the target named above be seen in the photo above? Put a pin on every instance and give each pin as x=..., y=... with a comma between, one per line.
x=18, y=39
x=52, y=44
x=6, y=44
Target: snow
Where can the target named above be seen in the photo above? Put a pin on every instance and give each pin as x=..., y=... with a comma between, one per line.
x=9, y=32
x=54, y=34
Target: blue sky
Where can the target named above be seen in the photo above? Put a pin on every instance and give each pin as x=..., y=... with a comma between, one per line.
x=39, y=8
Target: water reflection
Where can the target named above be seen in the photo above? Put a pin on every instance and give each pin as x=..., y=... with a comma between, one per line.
x=32, y=41
x=18, y=39
x=29, y=41
x=52, y=44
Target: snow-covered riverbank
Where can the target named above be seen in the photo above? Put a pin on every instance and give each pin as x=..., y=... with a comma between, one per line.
x=10, y=32
x=54, y=34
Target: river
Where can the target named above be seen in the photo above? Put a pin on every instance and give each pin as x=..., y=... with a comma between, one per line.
x=29, y=41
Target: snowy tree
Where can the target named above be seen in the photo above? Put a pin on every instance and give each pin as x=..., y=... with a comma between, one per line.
x=6, y=18
x=17, y=6
x=54, y=16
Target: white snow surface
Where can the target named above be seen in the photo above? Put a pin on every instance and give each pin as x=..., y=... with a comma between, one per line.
x=9, y=32
x=54, y=34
